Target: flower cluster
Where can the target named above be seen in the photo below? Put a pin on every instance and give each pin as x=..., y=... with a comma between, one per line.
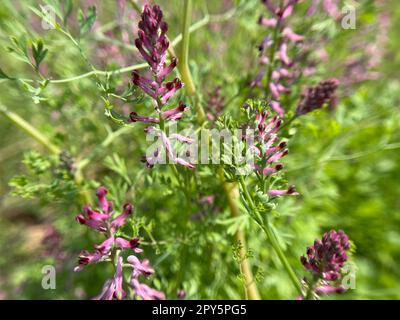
x=269, y=149
x=315, y=97
x=325, y=259
x=278, y=73
x=153, y=45
x=110, y=249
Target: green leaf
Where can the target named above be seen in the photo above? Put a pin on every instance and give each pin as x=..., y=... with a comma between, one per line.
x=86, y=22
x=38, y=52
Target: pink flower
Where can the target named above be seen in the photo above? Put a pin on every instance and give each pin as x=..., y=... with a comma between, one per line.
x=291, y=191
x=119, y=291
x=86, y=258
x=140, y=267
x=145, y=292
x=105, y=247
x=120, y=220
x=152, y=44
x=113, y=289
x=107, y=292
x=128, y=244
x=142, y=290
x=292, y=36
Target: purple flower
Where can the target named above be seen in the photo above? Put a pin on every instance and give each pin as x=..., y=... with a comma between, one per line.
x=266, y=147
x=315, y=97
x=292, y=36
x=107, y=292
x=327, y=256
x=85, y=258
x=105, y=247
x=142, y=290
x=113, y=288
x=153, y=44
x=128, y=244
x=145, y=292
x=120, y=220
x=140, y=267
x=102, y=221
x=291, y=191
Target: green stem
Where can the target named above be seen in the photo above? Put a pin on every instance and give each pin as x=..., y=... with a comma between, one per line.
x=44, y=141
x=30, y=130
x=287, y=123
x=270, y=235
x=100, y=72
x=232, y=196
x=184, y=54
x=183, y=65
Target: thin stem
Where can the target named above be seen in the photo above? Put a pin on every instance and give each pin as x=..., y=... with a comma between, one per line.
x=232, y=195
x=266, y=227
x=30, y=130
x=100, y=72
x=184, y=54
x=196, y=26
x=287, y=123
x=44, y=141
x=183, y=65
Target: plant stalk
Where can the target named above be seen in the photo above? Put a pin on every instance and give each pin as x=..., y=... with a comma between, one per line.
x=183, y=64
x=232, y=195
x=271, y=236
x=44, y=141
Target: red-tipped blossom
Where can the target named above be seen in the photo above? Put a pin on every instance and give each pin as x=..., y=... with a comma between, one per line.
x=142, y=290
x=102, y=222
x=86, y=258
x=291, y=191
x=266, y=146
x=175, y=113
x=140, y=267
x=105, y=206
x=135, y=118
x=105, y=247
x=128, y=244
x=120, y=220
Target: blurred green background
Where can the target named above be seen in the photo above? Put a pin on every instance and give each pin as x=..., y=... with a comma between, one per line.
x=345, y=163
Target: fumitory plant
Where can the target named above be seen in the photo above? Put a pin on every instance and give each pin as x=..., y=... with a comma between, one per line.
x=201, y=146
